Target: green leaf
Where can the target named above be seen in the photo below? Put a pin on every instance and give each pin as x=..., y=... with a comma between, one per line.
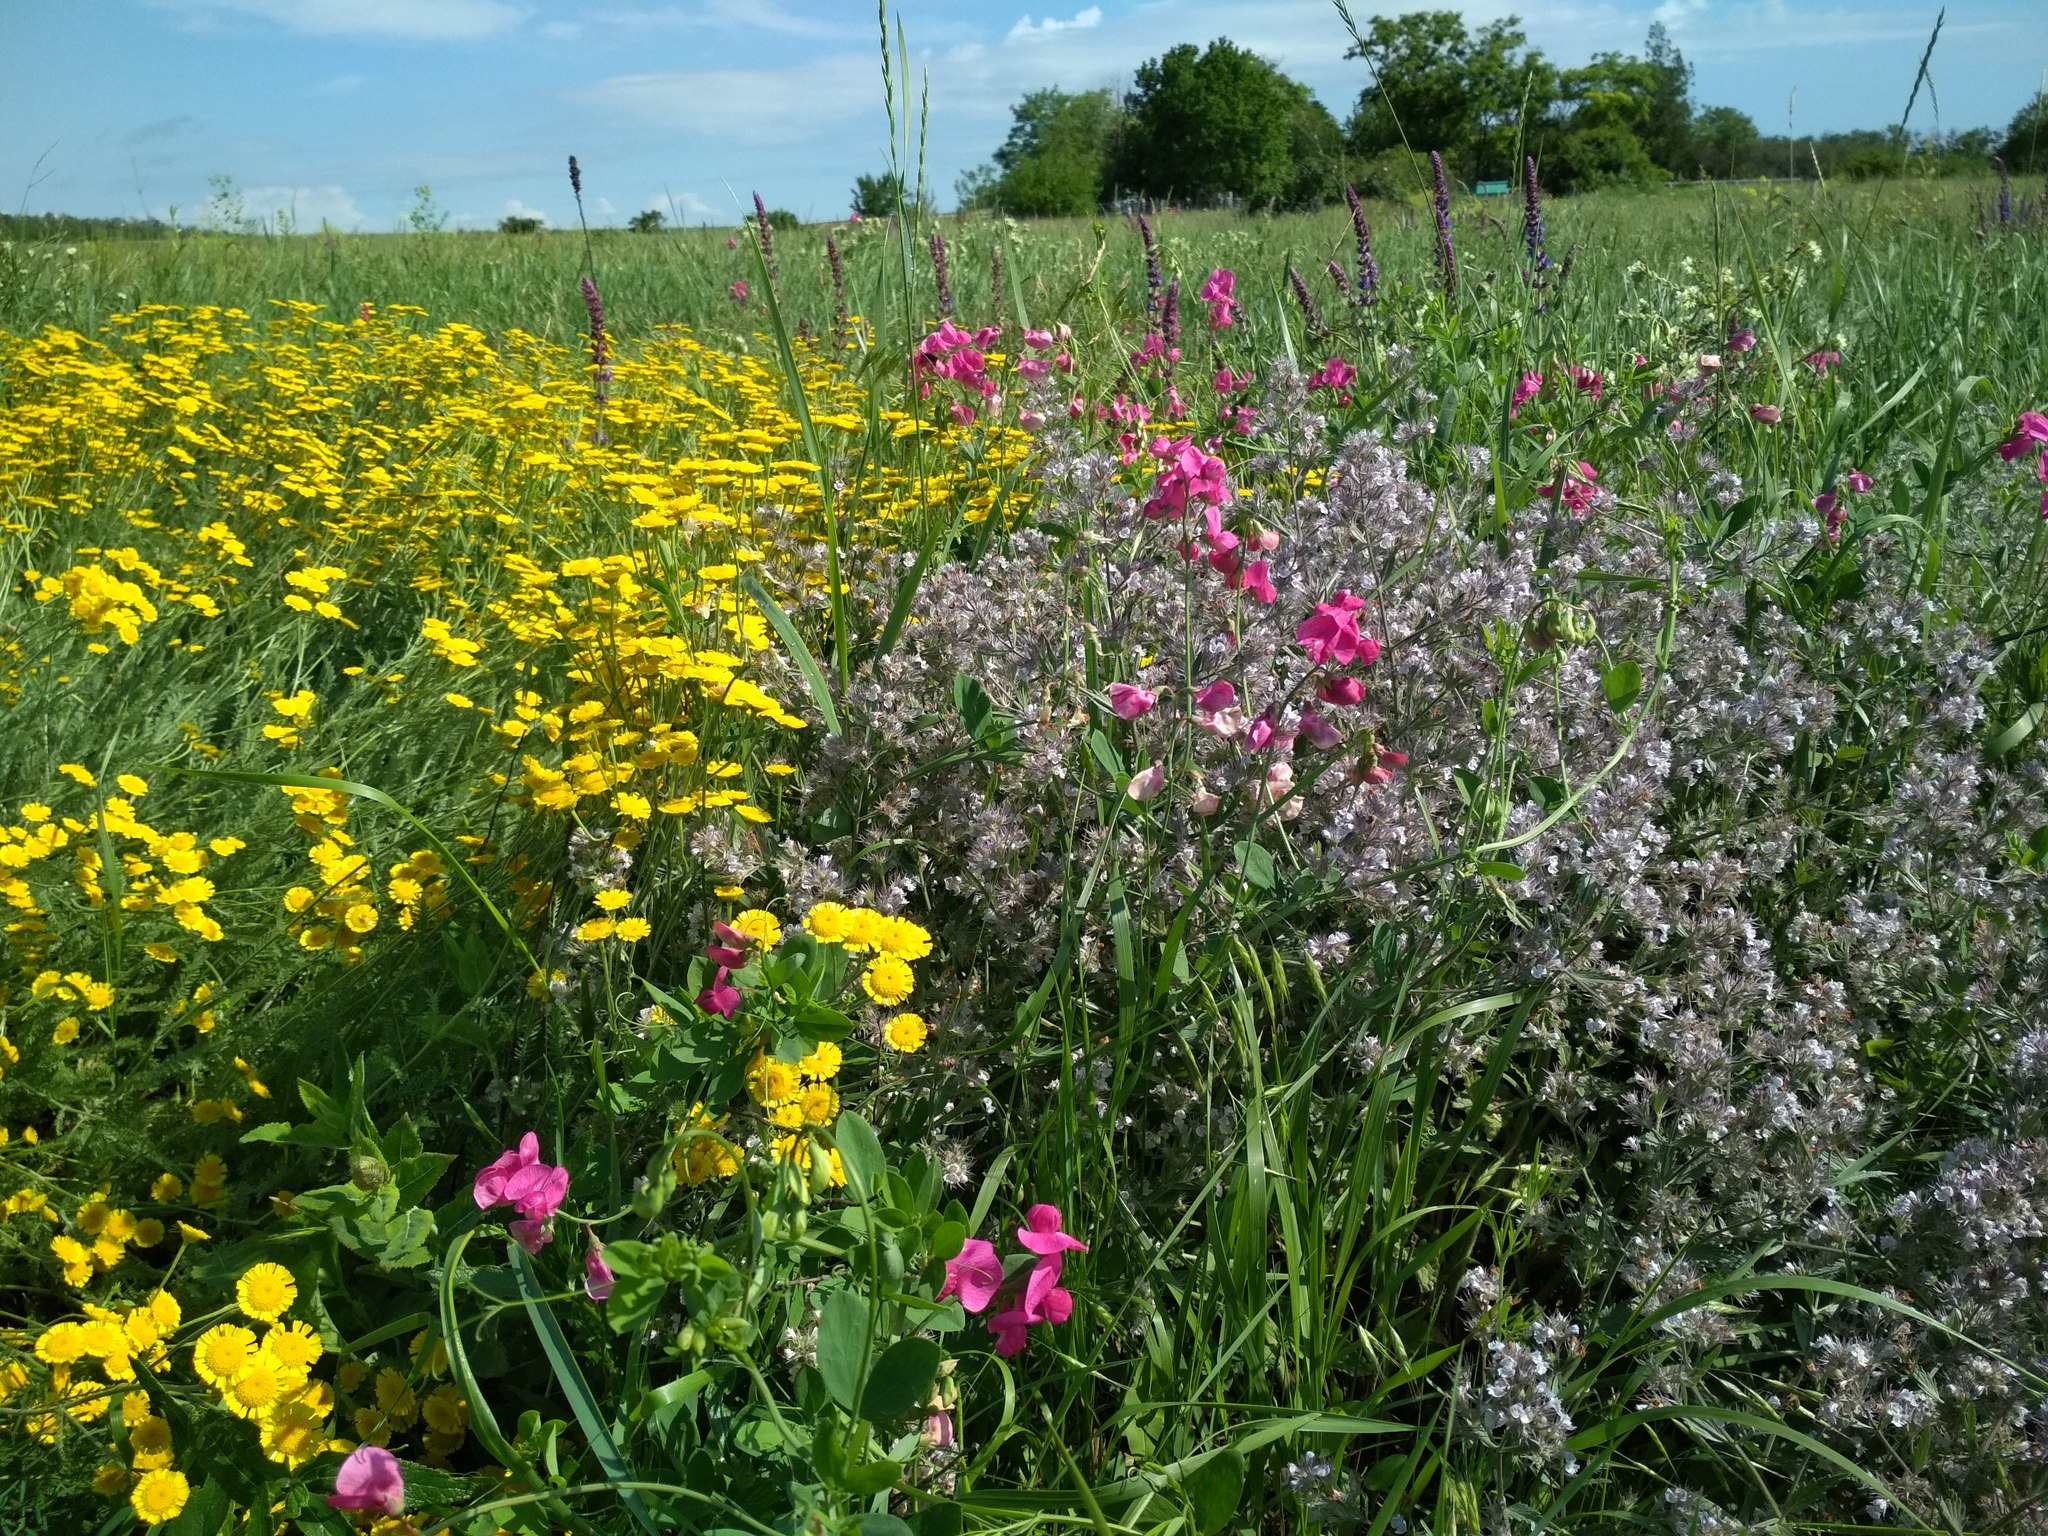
x=1214, y=1490
x=880, y=1524
x=205, y=1512
x=939, y=1520
x=1501, y=871
x=1256, y=865
x=843, y=1346
x=799, y=653
x=1106, y=755
x=596, y=1429
x=637, y=1284
x=1623, y=684
x=861, y=1151
x=817, y=1022
x=901, y=1379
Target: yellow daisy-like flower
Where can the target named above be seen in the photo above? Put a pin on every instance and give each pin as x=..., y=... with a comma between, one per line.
x=822, y=1065
x=904, y=939
x=159, y=1496
x=395, y=1399
x=295, y=1345
x=887, y=980
x=827, y=922
x=293, y=1434
x=168, y=1313
x=222, y=1353
x=729, y=892
x=632, y=930
x=820, y=1104
x=907, y=1032
x=256, y=1388
x=445, y=1411
x=266, y=1292
x=864, y=928
x=111, y=1480
x=149, y=1443
x=763, y=927
x=772, y=1081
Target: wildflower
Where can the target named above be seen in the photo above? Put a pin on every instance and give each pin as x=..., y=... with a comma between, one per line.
x=519, y=1178
x=1532, y=225
x=906, y=1033
x=1204, y=801
x=975, y=1274
x=739, y=291
x=266, y=1292
x=1257, y=583
x=1331, y=633
x=1446, y=257
x=369, y=1479
x=221, y=1354
x=1526, y=388
x=1575, y=486
x=159, y=1496
x=1769, y=415
x=1321, y=735
x=1220, y=294
x=1334, y=374
x=1342, y=691
x=2030, y=430
x=598, y=1278
x=1821, y=362
x=1742, y=339
x=1127, y=701
x=1365, y=291
x=1146, y=783
x=720, y=997
x=1858, y=482
x=887, y=980
x=759, y=927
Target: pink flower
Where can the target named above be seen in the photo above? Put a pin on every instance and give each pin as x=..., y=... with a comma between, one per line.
x=1382, y=770
x=1335, y=374
x=1331, y=633
x=1280, y=790
x=1710, y=362
x=1012, y=1330
x=1204, y=801
x=1220, y=294
x=519, y=1178
x=1258, y=582
x=1211, y=697
x=1041, y=1233
x=725, y=957
x=961, y=412
x=1579, y=488
x=938, y=1429
x=598, y=1278
x=1127, y=701
x=1769, y=415
x=1038, y=340
x=370, y=1479
x=1741, y=340
x=2030, y=428
x=738, y=289
x=1821, y=362
x=1587, y=382
x=730, y=243
x=1146, y=783
x=1259, y=734
x=1033, y=367
x=720, y=997
x=1525, y=389
x=1858, y=482
x=1031, y=421
x=974, y=1274
x=1345, y=691
x=1321, y=735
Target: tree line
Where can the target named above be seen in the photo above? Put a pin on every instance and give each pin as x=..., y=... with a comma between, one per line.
x=1221, y=126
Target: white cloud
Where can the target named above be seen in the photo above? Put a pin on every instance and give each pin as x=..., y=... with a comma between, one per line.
x=412, y=20
x=516, y=209
x=1027, y=30
x=746, y=106
x=306, y=207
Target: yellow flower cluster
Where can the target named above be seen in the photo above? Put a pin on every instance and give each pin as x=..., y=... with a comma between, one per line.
x=267, y=1378
x=392, y=1406
x=893, y=941
x=99, y=1237
x=797, y=1094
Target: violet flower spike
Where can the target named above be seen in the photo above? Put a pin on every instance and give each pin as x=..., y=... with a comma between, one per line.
x=941, y=276
x=1446, y=253
x=1367, y=291
x=1154, y=281
x=767, y=236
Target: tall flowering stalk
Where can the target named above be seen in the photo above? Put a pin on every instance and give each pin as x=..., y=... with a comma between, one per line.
x=1532, y=225
x=1338, y=277
x=767, y=236
x=995, y=281
x=1169, y=322
x=1366, y=292
x=1311, y=317
x=941, y=276
x=840, y=316
x=1446, y=255
x=1154, y=279
x=576, y=191
x=600, y=349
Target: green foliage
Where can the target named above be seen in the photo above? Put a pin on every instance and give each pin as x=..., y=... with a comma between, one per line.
x=1052, y=164
x=2025, y=148
x=647, y=221
x=879, y=196
x=1221, y=123
x=519, y=224
x=1437, y=85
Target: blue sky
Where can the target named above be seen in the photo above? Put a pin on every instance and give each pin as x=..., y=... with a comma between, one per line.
x=337, y=109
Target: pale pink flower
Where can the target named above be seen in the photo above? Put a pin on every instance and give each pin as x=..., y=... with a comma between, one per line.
x=1031, y=421
x=1204, y=801
x=598, y=1278
x=1769, y=415
x=1146, y=783
x=1127, y=701
x=974, y=1274
x=1321, y=735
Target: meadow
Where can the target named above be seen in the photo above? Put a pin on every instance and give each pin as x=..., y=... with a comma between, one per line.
x=1367, y=871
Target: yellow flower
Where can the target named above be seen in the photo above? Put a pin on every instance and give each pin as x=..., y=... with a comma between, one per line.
x=445, y=1411
x=159, y=1495
x=887, y=980
x=906, y=1033
x=111, y=1480
x=632, y=930
x=132, y=785
x=75, y=1258
x=395, y=1400
x=772, y=1081
x=820, y=1104
x=729, y=892
x=295, y=1345
x=256, y=1387
x=168, y=1313
x=360, y=918
x=168, y=1187
x=149, y=1443
x=222, y=1353
x=763, y=927
x=65, y=1032
x=266, y=1292
x=293, y=1434
x=822, y=1065
x=78, y=774
x=827, y=922
x=613, y=901
x=900, y=937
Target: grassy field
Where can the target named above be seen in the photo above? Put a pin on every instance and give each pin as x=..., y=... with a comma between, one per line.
x=1184, y=906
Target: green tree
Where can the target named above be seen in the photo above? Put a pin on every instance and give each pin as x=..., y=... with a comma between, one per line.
x=1724, y=142
x=1053, y=161
x=877, y=197
x=2025, y=149
x=1667, y=126
x=646, y=222
x=1215, y=123
x=1437, y=85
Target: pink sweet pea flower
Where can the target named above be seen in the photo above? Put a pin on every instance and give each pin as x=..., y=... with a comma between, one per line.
x=1331, y=632
x=1127, y=701
x=1031, y=421
x=1321, y=735
x=1526, y=388
x=2031, y=428
x=1039, y=340
x=370, y=1479
x=515, y=1175
x=739, y=291
x=1741, y=340
x=974, y=1274
x=720, y=997
x=1858, y=482
x=1041, y=1233
x=1211, y=697
x=1587, y=382
x=938, y=1430
x=1204, y=801
x=1146, y=783
x=1344, y=691
x=1012, y=1330
x=1821, y=362
x=1335, y=374
x=598, y=1278
x=1769, y=415
x=1258, y=583
x=1220, y=294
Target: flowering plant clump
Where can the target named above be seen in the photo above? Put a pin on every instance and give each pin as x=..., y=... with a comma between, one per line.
x=1420, y=905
